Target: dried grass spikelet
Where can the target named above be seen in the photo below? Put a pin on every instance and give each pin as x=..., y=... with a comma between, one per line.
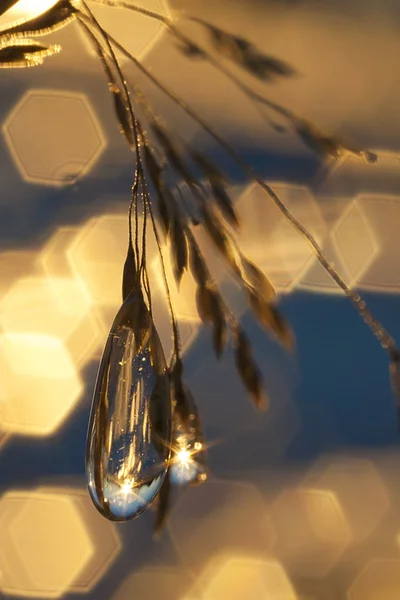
x=329, y=146
x=248, y=370
x=179, y=249
x=246, y=55
x=218, y=182
x=22, y=52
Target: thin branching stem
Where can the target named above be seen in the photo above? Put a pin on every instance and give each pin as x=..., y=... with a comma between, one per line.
x=148, y=208
x=179, y=35
x=375, y=326
x=107, y=70
x=175, y=328
x=133, y=123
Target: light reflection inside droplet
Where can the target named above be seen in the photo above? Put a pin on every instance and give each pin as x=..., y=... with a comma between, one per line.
x=188, y=462
x=123, y=499
x=184, y=468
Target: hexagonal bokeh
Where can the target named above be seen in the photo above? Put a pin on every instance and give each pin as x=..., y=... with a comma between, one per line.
x=359, y=203
x=13, y=265
x=150, y=583
x=121, y=23
x=244, y=577
x=315, y=278
x=382, y=274
x=220, y=517
x=355, y=242
x=267, y=237
x=97, y=256
x=51, y=543
x=103, y=534
x=312, y=531
x=53, y=258
x=85, y=342
x=330, y=588
x=182, y=297
x=357, y=484
x=379, y=580
x=53, y=306
x=54, y=136
x=40, y=385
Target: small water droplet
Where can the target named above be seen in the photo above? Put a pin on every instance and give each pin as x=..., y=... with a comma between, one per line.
x=188, y=463
x=129, y=436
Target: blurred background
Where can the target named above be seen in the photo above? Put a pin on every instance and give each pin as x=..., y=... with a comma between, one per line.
x=302, y=502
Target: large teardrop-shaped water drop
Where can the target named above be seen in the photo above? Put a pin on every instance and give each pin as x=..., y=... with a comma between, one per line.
x=129, y=436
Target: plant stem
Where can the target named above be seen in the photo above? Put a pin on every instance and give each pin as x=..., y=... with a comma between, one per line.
x=385, y=339
x=134, y=123
x=169, y=24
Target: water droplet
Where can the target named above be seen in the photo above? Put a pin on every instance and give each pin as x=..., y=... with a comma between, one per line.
x=129, y=436
x=188, y=463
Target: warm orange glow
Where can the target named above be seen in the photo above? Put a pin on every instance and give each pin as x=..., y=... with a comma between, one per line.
x=96, y=256
x=220, y=516
x=53, y=542
x=103, y=535
x=183, y=456
x=379, y=580
x=183, y=297
x=359, y=488
x=25, y=9
x=53, y=306
x=45, y=544
x=241, y=578
x=13, y=265
x=312, y=531
x=54, y=136
x=85, y=341
x=151, y=583
x=53, y=256
x=120, y=23
x=39, y=381
x=326, y=516
x=48, y=306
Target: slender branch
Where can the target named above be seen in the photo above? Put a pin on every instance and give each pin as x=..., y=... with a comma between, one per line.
x=149, y=208
x=375, y=326
x=316, y=140
x=170, y=25
x=175, y=329
x=133, y=122
x=139, y=9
